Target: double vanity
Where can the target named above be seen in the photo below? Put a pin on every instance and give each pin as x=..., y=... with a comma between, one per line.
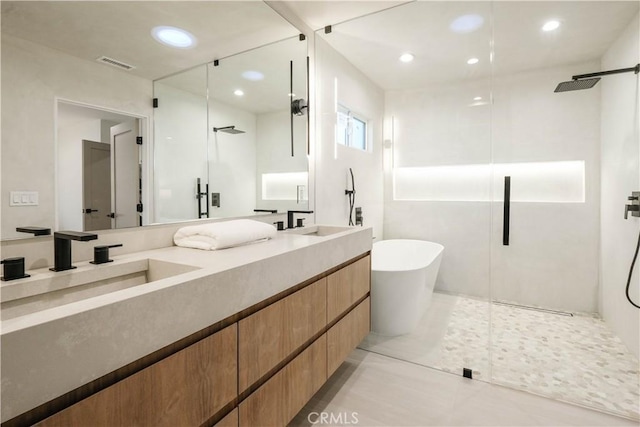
x=177, y=336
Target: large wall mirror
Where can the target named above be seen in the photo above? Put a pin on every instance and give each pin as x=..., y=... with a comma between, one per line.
x=61, y=106
x=231, y=135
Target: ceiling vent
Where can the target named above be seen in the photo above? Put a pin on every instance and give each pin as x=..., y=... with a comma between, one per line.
x=115, y=63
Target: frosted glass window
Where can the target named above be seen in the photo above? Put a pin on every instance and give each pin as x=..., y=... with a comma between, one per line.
x=351, y=129
x=285, y=186
x=358, y=134
x=544, y=182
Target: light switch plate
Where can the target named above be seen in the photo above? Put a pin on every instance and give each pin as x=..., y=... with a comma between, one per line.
x=24, y=198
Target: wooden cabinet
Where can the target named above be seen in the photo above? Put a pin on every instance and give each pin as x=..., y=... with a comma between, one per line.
x=231, y=420
x=347, y=285
x=187, y=388
x=245, y=374
x=269, y=336
x=345, y=335
x=278, y=400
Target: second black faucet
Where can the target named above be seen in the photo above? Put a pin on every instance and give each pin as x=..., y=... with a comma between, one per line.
x=290, y=217
x=62, y=247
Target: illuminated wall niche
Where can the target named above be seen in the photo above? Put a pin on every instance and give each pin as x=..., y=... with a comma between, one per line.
x=285, y=186
x=534, y=182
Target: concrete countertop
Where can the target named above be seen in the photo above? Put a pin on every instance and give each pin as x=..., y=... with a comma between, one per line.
x=51, y=352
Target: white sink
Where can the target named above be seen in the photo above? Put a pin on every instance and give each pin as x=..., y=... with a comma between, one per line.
x=318, y=230
x=48, y=289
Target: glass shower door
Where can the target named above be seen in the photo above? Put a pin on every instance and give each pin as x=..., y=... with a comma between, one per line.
x=550, y=182
x=180, y=146
x=437, y=154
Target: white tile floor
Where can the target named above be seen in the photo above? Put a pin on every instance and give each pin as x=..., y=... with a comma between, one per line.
x=374, y=390
x=574, y=359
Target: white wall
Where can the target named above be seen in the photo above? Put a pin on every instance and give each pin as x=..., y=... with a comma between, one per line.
x=70, y=177
x=433, y=127
x=273, y=155
x=332, y=162
x=232, y=160
x=32, y=77
x=552, y=259
x=620, y=176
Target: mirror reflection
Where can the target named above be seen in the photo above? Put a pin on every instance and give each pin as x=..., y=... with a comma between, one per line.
x=111, y=69
x=102, y=148
x=226, y=140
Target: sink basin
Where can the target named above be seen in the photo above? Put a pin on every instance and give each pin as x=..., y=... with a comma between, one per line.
x=319, y=230
x=48, y=290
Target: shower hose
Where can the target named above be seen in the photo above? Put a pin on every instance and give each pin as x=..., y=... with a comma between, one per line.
x=633, y=263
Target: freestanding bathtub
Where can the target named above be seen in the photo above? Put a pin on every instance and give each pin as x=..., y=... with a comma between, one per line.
x=403, y=274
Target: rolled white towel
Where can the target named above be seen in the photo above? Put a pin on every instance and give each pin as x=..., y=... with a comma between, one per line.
x=220, y=235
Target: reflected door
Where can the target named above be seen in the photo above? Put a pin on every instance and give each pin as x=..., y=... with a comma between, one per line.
x=126, y=175
x=96, y=175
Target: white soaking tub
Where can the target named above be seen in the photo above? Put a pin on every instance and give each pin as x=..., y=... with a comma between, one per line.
x=403, y=275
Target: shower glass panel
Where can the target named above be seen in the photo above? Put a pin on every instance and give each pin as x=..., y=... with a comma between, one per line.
x=265, y=165
x=563, y=166
x=180, y=145
x=437, y=155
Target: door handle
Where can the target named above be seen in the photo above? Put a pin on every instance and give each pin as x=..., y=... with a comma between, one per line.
x=111, y=215
x=89, y=210
x=507, y=211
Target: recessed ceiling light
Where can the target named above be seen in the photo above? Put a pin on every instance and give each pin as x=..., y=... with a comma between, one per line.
x=466, y=23
x=472, y=61
x=550, y=26
x=477, y=98
x=238, y=92
x=253, y=75
x=406, y=57
x=174, y=37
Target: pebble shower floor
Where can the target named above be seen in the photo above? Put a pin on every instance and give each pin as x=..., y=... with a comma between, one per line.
x=574, y=359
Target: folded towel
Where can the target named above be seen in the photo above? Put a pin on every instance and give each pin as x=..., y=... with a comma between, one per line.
x=219, y=235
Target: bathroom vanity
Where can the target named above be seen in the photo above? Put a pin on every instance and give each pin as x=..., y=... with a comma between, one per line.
x=241, y=336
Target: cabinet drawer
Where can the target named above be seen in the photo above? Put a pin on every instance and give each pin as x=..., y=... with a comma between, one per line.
x=230, y=420
x=186, y=388
x=273, y=333
x=278, y=400
x=345, y=335
x=347, y=285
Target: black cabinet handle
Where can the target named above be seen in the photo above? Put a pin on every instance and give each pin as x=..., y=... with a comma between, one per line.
x=507, y=211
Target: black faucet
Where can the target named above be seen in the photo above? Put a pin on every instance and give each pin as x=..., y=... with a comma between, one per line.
x=290, y=217
x=36, y=231
x=62, y=247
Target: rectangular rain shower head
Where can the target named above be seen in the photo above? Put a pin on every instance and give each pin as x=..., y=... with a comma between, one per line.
x=587, y=81
x=577, y=85
x=228, y=129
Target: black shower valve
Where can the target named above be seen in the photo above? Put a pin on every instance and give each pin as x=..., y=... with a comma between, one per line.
x=634, y=206
x=359, y=217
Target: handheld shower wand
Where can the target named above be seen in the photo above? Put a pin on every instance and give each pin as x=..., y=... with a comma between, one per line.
x=634, y=208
